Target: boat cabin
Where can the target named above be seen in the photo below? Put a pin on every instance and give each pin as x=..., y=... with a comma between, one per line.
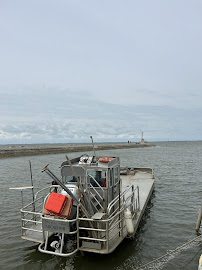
x=99, y=176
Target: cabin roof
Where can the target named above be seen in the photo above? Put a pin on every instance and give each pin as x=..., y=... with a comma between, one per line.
x=90, y=165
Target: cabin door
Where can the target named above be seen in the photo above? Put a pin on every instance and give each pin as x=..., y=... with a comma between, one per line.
x=113, y=183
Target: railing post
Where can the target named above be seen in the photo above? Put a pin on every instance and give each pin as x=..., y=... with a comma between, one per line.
x=22, y=222
x=107, y=235
x=138, y=196
x=62, y=242
x=122, y=224
x=46, y=242
x=132, y=199
x=77, y=224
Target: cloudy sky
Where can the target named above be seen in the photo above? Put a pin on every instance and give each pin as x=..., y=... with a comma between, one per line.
x=111, y=69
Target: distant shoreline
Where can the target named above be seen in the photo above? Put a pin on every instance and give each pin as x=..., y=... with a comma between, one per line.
x=23, y=150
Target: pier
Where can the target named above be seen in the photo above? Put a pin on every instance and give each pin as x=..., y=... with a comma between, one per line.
x=33, y=150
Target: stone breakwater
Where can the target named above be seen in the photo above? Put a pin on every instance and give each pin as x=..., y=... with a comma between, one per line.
x=17, y=151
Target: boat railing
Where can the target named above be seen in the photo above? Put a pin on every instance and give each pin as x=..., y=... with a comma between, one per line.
x=96, y=195
x=31, y=215
x=50, y=188
x=132, y=200
x=38, y=227
x=129, y=170
x=97, y=201
x=112, y=226
x=146, y=170
x=31, y=219
x=50, y=223
x=116, y=200
x=107, y=230
x=102, y=234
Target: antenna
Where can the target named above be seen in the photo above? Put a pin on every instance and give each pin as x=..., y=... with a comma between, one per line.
x=93, y=147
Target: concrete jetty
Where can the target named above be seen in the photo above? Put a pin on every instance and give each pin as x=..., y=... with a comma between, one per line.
x=32, y=150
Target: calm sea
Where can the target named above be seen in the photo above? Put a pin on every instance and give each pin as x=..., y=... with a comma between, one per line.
x=169, y=222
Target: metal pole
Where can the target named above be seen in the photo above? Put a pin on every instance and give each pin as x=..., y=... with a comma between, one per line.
x=33, y=204
x=107, y=235
x=45, y=169
x=138, y=197
x=22, y=197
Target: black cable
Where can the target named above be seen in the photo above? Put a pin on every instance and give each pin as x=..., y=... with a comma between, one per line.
x=190, y=260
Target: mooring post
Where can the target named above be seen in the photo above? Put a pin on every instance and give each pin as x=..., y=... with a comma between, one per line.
x=199, y=219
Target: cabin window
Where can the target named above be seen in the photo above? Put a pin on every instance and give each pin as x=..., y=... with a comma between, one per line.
x=99, y=176
x=69, y=179
x=116, y=175
x=111, y=178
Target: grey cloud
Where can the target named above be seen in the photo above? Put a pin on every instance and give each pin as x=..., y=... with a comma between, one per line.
x=67, y=117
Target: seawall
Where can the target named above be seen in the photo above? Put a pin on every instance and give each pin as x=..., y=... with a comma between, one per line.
x=23, y=150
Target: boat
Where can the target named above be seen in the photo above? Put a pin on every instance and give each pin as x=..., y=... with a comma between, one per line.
x=92, y=207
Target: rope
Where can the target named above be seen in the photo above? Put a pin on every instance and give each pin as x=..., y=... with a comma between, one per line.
x=170, y=253
x=191, y=259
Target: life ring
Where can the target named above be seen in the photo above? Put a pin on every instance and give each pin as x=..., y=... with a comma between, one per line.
x=106, y=159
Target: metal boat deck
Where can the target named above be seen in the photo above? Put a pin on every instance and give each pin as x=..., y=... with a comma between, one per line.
x=144, y=179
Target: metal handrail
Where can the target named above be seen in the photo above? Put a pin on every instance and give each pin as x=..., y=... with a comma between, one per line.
x=36, y=200
x=48, y=187
x=115, y=200
x=31, y=229
x=56, y=253
x=76, y=232
x=92, y=229
x=132, y=197
x=96, y=193
x=115, y=224
x=26, y=211
x=102, y=221
x=97, y=202
x=108, y=229
x=92, y=239
x=91, y=186
x=101, y=197
x=115, y=218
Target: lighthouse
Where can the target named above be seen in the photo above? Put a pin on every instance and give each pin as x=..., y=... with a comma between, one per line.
x=142, y=139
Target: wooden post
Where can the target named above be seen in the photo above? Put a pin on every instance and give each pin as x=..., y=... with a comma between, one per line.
x=199, y=219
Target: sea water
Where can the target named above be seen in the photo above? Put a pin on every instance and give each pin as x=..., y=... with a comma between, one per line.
x=169, y=221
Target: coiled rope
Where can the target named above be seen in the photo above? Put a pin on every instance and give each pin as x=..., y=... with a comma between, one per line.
x=158, y=263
